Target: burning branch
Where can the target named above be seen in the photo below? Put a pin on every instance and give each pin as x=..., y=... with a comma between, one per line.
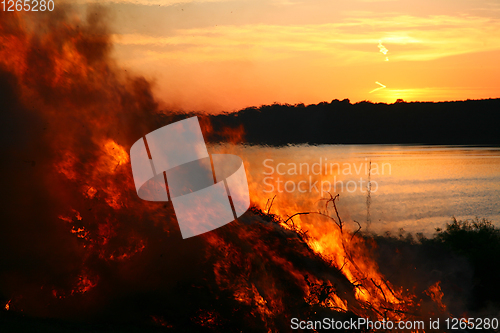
x=374, y=293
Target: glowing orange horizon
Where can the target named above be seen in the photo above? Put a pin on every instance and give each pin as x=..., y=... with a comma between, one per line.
x=227, y=55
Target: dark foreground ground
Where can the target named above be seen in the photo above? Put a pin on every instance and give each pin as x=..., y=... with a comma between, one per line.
x=464, y=256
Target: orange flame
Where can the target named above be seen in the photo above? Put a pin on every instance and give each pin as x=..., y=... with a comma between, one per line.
x=84, y=100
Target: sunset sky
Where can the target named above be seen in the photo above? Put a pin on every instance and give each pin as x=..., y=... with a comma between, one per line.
x=226, y=55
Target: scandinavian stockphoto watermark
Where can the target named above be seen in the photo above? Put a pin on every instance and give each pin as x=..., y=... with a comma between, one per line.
x=322, y=176
x=207, y=191
x=365, y=324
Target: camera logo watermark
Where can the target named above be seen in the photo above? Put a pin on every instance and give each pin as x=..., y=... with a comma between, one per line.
x=207, y=191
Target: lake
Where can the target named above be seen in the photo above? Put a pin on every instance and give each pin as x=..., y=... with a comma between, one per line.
x=417, y=188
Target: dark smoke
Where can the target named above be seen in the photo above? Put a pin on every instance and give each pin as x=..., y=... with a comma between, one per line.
x=62, y=98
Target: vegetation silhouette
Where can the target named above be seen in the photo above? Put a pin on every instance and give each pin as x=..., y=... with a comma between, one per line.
x=470, y=122
x=464, y=256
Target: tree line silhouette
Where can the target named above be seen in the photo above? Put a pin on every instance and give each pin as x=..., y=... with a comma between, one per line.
x=470, y=122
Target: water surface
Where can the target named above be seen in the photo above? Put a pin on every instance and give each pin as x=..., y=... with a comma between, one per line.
x=417, y=188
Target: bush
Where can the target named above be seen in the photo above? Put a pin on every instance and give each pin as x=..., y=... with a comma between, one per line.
x=479, y=241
